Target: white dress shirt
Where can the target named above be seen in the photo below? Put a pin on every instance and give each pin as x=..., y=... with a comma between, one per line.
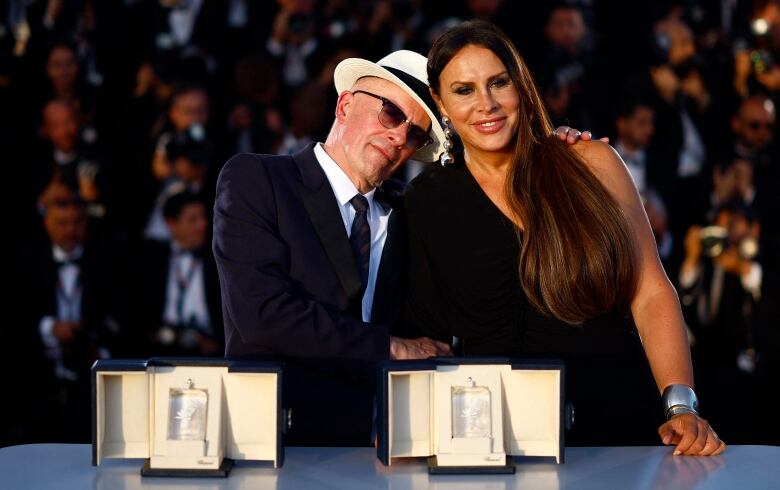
x=68, y=306
x=378, y=217
x=636, y=161
x=182, y=21
x=693, y=152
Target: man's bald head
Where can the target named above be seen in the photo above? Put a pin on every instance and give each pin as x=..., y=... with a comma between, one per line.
x=754, y=122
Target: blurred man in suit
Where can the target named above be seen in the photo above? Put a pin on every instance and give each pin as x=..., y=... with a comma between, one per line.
x=73, y=310
x=177, y=305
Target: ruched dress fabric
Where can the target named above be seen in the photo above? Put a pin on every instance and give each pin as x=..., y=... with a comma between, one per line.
x=464, y=282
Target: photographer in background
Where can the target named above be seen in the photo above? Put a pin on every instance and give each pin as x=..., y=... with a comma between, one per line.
x=720, y=282
x=757, y=52
x=571, y=74
x=188, y=153
x=66, y=159
x=634, y=128
x=294, y=45
x=685, y=113
x=177, y=307
x=731, y=182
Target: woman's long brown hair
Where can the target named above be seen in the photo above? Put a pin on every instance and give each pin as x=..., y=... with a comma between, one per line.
x=577, y=254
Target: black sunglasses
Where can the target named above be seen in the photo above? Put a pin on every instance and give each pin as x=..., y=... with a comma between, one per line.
x=754, y=125
x=390, y=116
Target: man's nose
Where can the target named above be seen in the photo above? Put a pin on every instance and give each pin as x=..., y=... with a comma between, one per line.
x=399, y=134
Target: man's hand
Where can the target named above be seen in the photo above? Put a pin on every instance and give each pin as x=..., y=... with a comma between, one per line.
x=161, y=167
x=693, y=87
x=743, y=177
x=66, y=331
x=573, y=135
x=692, y=436
x=666, y=83
x=692, y=245
x=280, y=30
x=724, y=184
x=53, y=11
x=87, y=174
x=145, y=79
x=733, y=263
x=208, y=346
x=420, y=348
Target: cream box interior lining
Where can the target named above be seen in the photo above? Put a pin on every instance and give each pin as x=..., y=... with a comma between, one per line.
x=530, y=407
x=132, y=413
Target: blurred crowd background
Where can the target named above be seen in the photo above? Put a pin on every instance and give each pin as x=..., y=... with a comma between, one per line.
x=116, y=116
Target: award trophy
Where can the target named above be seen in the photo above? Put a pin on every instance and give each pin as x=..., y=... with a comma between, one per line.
x=187, y=413
x=470, y=421
x=470, y=411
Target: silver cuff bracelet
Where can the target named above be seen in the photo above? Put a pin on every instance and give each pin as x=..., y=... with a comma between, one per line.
x=679, y=399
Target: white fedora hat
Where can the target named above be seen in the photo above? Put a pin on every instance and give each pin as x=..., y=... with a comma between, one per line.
x=408, y=70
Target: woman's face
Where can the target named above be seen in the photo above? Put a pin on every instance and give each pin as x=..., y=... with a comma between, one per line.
x=477, y=94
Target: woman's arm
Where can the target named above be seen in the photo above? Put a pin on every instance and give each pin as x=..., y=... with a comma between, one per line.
x=655, y=306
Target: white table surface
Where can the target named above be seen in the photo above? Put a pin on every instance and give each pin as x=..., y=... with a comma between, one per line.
x=68, y=466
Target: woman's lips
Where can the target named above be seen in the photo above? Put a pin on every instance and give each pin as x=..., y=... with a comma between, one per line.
x=490, y=126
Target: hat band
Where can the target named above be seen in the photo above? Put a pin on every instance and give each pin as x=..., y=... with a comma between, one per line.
x=418, y=87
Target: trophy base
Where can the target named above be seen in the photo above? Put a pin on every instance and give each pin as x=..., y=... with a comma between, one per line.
x=221, y=472
x=435, y=469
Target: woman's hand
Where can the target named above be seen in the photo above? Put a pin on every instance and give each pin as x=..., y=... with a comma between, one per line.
x=692, y=436
x=573, y=135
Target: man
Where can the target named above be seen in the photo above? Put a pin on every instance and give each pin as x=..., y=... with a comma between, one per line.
x=720, y=287
x=65, y=160
x=570, y=68
x=753, y=126
x=188, y=154
x=177, y=289
x=73, y=309
x=685, y=110
x=284, y=235
x=635, y=125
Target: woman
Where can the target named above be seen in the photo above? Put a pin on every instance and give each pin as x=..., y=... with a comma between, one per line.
x=526, y=247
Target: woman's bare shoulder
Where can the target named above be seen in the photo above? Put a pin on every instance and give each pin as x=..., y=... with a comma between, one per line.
x=598, y=155
x=608, y=167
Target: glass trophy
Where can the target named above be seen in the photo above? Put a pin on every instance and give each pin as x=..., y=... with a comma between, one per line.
x=187, y=413
x=470, y=411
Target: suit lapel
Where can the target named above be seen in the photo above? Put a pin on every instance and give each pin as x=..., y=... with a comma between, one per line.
x=320, y=203
x=392, y=265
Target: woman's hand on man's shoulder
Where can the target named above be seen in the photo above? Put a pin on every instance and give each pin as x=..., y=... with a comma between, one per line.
x=574, y=135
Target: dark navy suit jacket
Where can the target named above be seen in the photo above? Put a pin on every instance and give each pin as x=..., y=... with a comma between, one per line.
x=291, y=291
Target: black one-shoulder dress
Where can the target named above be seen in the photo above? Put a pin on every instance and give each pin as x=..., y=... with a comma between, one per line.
x=464, y=282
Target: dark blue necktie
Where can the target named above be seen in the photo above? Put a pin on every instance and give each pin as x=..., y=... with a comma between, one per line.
x=360, y=237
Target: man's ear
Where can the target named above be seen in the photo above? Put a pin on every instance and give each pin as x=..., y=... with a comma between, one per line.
x=343, y=105
x=620, y=124
x=735, y=125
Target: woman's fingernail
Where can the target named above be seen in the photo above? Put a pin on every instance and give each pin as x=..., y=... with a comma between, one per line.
x=677, y=452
